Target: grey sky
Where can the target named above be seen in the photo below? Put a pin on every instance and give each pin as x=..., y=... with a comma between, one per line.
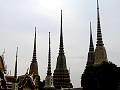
x=19, y=17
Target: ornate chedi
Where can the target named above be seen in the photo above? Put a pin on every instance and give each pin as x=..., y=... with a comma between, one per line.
x=91, y=53
x=100, y=51
x=34, y=66
x=61, y=78
x=49, y=78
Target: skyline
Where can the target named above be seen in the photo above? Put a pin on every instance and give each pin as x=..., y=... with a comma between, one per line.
x=19, y=18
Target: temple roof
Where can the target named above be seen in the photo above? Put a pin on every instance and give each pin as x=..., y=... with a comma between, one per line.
x=26, y=81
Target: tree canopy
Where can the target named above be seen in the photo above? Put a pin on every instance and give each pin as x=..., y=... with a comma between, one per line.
x=105, y=76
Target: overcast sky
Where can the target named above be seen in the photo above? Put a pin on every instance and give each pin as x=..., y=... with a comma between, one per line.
x=18, y=18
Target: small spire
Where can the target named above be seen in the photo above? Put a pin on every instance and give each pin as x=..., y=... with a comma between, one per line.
x=34, y=51
x=49, y=59
x=27, y=70
x=15, y=74
x=99, y=34
x=61, y=49
x=91, y=47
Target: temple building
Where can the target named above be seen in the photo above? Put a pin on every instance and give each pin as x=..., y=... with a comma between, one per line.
x=26, y=82
x=49, y=78
x=29, y=81
x=61, y=76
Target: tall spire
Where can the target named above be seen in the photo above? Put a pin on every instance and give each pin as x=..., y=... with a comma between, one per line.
x=34, y=51
x=34, y=64
x=61, y=49
x=100, y=51
x=91, y=47
x=61, y=76
x=15, y=74
x=90, y=59
x=61, y=60
x=49, y=59
x=99, y=34
x=49, y=78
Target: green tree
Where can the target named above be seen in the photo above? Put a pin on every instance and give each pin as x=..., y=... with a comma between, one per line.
x=101, y=77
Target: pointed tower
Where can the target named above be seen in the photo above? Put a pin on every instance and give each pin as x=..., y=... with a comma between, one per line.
x=61, y=76
x=15, y=74
x=49, y=78
x=49, y=59
x=100, y=51
x=34, y=64
x=91, y=53
x=15, y=83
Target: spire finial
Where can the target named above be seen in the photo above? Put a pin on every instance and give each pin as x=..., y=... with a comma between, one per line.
x=15, y=74
x=61, y=38
x=49, y=59
x=91, y=47
x=34, y=51
x=97, y=5
x=99, y=34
